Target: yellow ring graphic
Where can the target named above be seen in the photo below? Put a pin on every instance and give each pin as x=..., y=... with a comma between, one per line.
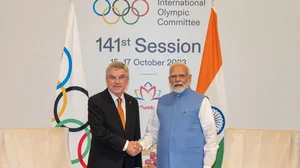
x=64, y=105
x=108, y=21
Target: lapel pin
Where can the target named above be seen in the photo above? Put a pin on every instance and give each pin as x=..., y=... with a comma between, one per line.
x=129, y=102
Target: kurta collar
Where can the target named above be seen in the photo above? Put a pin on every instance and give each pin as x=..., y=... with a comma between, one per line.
x=187, y=90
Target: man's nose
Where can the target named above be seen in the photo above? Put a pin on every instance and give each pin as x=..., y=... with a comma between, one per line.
x=177, y=78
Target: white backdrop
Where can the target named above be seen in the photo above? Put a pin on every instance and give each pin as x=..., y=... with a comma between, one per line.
x=147, y=47
x=130, y=45
x=260, y=47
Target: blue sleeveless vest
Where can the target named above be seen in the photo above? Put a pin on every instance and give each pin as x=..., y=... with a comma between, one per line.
x=180, y=137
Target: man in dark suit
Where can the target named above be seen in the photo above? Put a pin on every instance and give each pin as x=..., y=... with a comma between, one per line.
x=114, y=120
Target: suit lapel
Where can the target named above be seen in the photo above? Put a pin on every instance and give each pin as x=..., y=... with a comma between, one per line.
x=112, y=107
x=129, y=114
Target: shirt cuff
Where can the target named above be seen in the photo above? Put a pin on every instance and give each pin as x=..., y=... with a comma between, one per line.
x=142, y=143
x=205, y=166
x=125, y=146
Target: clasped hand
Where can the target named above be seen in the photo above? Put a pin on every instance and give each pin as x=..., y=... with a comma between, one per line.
x=134, y=148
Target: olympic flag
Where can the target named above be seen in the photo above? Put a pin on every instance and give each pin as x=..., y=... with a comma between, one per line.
x=70, y=107
x=211, y=81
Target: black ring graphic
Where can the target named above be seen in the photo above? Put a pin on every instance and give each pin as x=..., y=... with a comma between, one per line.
x=113, y=5
x=56, y=104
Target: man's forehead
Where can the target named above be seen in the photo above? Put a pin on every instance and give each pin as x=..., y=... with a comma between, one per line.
x=116, y=71
x=178, y=73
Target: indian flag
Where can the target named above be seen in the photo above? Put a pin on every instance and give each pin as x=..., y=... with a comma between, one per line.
x=70, y=106
x=211, y=81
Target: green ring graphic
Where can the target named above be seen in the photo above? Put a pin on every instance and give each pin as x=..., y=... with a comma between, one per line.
x=135, y=20
x=74, y=161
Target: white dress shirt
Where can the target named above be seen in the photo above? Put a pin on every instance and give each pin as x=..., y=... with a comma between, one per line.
x=123, y=104
x=207, y=123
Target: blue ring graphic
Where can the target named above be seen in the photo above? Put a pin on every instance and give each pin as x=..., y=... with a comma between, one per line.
x=99, y=14
x=66, y=51
x=219, y=119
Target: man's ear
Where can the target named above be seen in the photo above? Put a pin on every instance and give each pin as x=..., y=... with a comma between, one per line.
x=190, y=79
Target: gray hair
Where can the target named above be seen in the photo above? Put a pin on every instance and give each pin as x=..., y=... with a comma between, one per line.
x=117, y=65
x=180, y=64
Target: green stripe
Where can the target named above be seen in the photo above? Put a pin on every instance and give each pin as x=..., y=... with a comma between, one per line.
x=219, y=159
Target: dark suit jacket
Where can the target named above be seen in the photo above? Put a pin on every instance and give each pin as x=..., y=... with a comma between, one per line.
x=108, y=135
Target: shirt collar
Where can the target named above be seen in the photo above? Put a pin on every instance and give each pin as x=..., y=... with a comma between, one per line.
x=115, y=98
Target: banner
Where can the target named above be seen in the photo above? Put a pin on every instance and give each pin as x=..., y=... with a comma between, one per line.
x=148, y=36
x=211, y=81
x=70, y=107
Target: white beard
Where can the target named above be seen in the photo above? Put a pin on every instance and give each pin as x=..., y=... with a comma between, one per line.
x=180, y=89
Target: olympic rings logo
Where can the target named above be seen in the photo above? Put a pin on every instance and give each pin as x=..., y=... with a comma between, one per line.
x=121, y=13
x=58, y=113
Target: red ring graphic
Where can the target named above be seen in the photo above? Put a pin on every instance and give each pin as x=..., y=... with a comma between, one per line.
x=140, y=15
x=79, y=150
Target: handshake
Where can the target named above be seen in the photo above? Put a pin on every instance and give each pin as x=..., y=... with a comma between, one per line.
x=134, y=148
